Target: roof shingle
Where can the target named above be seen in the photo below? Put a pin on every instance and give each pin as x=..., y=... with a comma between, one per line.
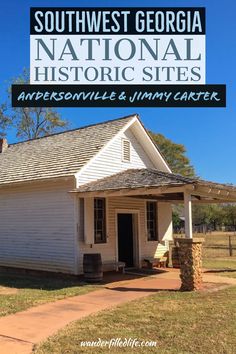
x=141, y=178
x=59, y=155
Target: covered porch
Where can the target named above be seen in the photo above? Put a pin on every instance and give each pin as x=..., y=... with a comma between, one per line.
x=162, y=187
x=166, y=189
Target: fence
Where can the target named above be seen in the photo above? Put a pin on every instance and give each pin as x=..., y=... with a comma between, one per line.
x=219, y=245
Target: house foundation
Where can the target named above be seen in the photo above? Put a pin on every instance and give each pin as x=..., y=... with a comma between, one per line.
x=190, y=258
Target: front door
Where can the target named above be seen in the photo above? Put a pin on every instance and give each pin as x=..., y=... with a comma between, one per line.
x=125, y=239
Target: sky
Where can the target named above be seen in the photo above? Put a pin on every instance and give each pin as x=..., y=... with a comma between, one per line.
x=209, y=134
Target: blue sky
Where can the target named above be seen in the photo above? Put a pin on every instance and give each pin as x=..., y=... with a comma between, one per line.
x=209, y=134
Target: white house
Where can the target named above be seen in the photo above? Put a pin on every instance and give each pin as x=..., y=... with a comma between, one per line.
x=103, y=188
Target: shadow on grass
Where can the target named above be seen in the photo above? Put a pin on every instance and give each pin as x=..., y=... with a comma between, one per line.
x=38, y=282
x=220, y=246
x=151, y=290
x=57, y=281
x=144, y=271
x=229, y=270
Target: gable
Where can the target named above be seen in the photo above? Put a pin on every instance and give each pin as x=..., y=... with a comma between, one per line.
x=150, y=147
x=110, y=160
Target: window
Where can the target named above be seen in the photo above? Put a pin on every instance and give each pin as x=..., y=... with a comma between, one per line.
x=126, y=150
x=99, y=220
x=151, y=209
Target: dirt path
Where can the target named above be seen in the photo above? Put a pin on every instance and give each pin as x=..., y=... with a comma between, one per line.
x=21, y=331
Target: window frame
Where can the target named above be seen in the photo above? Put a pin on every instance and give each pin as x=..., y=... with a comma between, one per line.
x=153, y=220
x=101, y=220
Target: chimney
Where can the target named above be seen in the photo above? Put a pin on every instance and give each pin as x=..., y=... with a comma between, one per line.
x=3, y=145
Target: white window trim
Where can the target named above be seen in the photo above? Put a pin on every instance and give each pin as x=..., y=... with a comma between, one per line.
x=157, y=222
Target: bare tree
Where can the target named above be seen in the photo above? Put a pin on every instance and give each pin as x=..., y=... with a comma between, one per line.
x=5, y=120
x=32, y=122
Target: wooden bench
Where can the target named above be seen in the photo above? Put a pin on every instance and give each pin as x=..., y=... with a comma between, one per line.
x=117, y=266
x=159, y=259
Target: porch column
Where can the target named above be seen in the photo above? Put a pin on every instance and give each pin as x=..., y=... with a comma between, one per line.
x=190, y=258
x=188, y=215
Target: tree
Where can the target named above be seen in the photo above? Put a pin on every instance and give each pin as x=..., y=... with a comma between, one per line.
x=5, y=120
x=211, y=215
x=34, y=122
x=174, y=155
x=176, y=219
x=178, y=162
x=230, y=215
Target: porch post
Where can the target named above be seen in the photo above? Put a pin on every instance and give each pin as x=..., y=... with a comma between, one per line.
x=190, y=258
x=190, y=252
x=188, y=215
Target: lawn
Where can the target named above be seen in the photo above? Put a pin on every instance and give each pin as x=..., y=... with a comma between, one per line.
x=217, y=244
x=19, y=292
x=181, y=323
x=216, y=254
x=221, y=266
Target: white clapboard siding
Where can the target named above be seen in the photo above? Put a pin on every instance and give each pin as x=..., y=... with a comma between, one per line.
x=109, y=250
x=146, y=248
x=110, y=160
x=37, y=227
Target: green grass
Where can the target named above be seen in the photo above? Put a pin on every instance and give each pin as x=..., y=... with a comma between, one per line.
x=181, y=323
x=224, y=266
x=36, y=290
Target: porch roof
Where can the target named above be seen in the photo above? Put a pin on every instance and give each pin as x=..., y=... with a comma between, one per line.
x=151, y=183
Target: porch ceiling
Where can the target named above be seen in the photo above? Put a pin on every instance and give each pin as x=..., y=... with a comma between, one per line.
x=157, y=185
